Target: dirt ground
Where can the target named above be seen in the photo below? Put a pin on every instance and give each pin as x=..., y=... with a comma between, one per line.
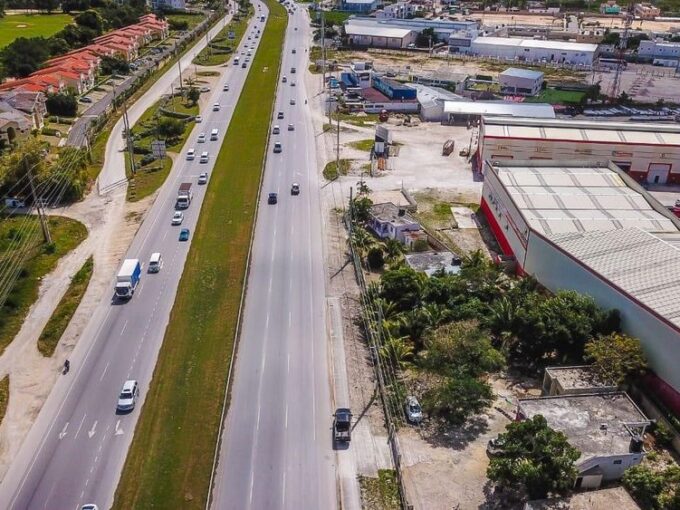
x=493, y=18
x=643, y=82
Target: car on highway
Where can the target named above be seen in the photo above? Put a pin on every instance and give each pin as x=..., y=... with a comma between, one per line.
x=128, y=396
x=295, y=189
x=292, y=70
x=293, y=51
x=155, y=263
x=291, y=127
x=284, y=79
x=191, y=154
x=292, y=102
x=414, y=413
x=244, y=65
x=177, y=218
x=89, y=506
x=278, y=147
x=225, y=88
x=276, y=130
x=184, y=234
x=204, y=157
x=272, y=198
x=216, y=107
x=292, y=84
x=203, y=178
x=279, y=115
x=201, y=138
x=198, y=119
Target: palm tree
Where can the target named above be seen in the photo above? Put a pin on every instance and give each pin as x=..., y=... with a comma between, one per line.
x=398, y=349
x=362, y=240
x=435, y=314
x=501, y=319
x=394, y=249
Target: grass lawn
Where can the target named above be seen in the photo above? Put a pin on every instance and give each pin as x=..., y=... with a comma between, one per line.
x=191, y=19
x=363, y=145
x=170, y=460
x=31, y=25
x=4, y=396
x=330, y=171
x=336, y=17
x=213, y=55
x=42, y=259
x=368, y=119
x=380, y=493
x=554, y=96
x=64, y=311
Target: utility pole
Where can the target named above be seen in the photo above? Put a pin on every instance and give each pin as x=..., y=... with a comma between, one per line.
x=128, y=139
x=179, y=66
x=38, y=206
x=337, y=148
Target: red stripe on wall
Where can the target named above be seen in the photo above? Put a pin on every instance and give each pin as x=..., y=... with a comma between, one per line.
x=496, y=229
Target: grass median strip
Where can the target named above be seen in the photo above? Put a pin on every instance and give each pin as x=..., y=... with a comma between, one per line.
x=170, y=460
x=220, y=49
x=62, y=315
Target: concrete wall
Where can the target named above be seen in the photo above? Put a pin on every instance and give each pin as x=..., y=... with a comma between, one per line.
x=557, y=271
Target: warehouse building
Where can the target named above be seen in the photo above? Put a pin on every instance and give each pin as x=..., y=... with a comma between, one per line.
x=442, y=28
x=471, y=112
x=591, y=228
x=647, y=152
x=379, y=37
x=661, y=53
x=432, y=100
x=521, y=82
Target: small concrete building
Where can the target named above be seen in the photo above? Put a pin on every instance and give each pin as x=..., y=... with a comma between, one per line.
x=391, y=222
x=521, y=82
x=379, y=37
x=432, y=99
x=607, y=428
x=431, y=262
x=573, y=381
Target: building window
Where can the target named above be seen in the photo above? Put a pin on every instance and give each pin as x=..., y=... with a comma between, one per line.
x=616, y=462
x=623, y=165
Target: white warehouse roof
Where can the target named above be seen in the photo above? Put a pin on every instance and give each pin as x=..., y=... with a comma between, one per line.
x=637, y=262
x=535, y=43
x=582, y=131
x=536, y=110
x=556, y=200
x=376, y=31
x=517, y=72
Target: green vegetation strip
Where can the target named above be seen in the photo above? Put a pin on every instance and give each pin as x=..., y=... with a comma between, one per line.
x=330, y=171
x=41, y=260
x=4, y=396
x=363, y=145
x=170, y=460
x=62, y=315
x=31, y=25
x=380, y=493
x=220, y=49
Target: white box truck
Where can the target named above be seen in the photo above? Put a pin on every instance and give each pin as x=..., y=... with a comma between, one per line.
x=184, y=195
x=128, y=278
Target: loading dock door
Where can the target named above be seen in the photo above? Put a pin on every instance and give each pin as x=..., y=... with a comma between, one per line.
x=658, y=173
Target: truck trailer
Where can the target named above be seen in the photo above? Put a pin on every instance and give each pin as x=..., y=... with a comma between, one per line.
x=128, y=278
x=184, y=195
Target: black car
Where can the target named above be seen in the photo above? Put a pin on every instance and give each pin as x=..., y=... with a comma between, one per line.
x=280, y=115
x=295, y=189
x=273, y=198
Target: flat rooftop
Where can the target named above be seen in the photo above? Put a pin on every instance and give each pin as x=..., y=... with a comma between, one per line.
x=556, y=200
x=517, y=72
x=376, y=31
x=534, y=43
x=575, y=378
x=506, y=109
x=582, y=131
x=389, y=213
x=429, y=262
x=641, y=264
x=594, y=423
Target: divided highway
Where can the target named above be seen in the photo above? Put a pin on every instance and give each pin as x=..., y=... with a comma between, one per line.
x=276, y=446
x=75, y=451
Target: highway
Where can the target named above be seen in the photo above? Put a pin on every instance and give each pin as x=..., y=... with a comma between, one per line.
x=276, y=447
x=76, y=449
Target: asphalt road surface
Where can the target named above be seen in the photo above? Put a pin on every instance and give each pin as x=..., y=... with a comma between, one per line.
x=276, y=447
x=75, y=451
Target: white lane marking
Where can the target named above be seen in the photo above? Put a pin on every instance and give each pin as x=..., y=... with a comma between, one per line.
x=283, y=490
x=124, y=326
x=104, y=372
x=87, y=482
x=252, y=482
x=119, y=431
x=286, y=422
x=288, y=362
x=80, y=426
x=62, y=434
x=93, y=430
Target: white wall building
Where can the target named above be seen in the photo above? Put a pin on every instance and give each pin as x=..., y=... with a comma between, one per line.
x=661, y=52
x=379, y=37
x=399, y=10
x=432, y=100
x=521, y=82
x=461, y=112
x=442, y=28
x=647, y=152
x=592, y=229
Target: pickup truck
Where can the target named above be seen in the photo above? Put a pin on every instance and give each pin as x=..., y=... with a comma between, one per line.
x=128, y=278
x=184, y=195
x=342, y=425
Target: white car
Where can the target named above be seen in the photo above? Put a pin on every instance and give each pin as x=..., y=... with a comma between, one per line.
x=128, y=396
x=177, y=218
x=89, y=506
x=216, y=107
x=225, y=88
x=276, y=130
x=201, y=138
x=205, y=89
x=291, y=127
x=414, y=413
x=203, y=178
x=191, y=154
x=199, y=119
x=292, y=102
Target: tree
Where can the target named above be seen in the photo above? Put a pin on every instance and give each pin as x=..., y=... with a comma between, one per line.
x=616, y=358
x=457, y=398
x=178, y=25
x=645, y=484
x=193, y=94
x=397, y=350
x=57, y=46
x=24, y=56
x=170, y=128
x=534, y=458
x=361, y=208
x=362, y=240
x=46, y=5
x=394, y=249
x=113, y=65
x=90, y=19
x=402, y=286
x=425, y=38
x=62, y=104
x=375, y=258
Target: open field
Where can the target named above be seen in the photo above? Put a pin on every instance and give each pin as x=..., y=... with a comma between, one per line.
x=31, y=25
x=170, y=460
x=554, y=96
x=191, y=19
x=42, y=259
x=55, y=327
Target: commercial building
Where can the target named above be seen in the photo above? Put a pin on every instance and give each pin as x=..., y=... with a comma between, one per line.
x=364, y=6
x=661, y=53
x=521, y=82
x=645, y=10
x=442, y=28
x=399, y=10
x=393, y=89
x=462, y=112
x=592, y=229
x=379, y=37
x=607, y=429
x=647, y=152
x=432, y=100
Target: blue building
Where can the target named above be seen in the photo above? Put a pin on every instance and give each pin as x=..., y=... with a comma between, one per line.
x=393, y=89
x=359, y=5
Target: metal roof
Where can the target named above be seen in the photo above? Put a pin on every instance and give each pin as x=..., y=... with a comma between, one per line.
x=376, y=31
x=522, y=73
x=555, y=200
x=582, y=131
x=536, y=110
x=639, y=263
x=535, y=43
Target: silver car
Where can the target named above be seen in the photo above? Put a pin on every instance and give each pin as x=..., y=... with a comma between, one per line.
x=128, y=396
x=414, y=413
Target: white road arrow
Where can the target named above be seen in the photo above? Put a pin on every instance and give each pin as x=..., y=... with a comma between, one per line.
x=63, y=431
x=93, y=430
x=119, y=431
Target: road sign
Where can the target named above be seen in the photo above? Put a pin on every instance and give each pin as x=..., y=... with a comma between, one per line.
x=158, y=148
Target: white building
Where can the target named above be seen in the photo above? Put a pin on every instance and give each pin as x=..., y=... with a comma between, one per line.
x=432, y=100
x=399, y=10
x=662, y=53
x=521, y=82
x=462, y=112
x=647, y=152
x=592, y=229
x=379, y=37
x=389, y=221
x=442, y=28
x=527, y=50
